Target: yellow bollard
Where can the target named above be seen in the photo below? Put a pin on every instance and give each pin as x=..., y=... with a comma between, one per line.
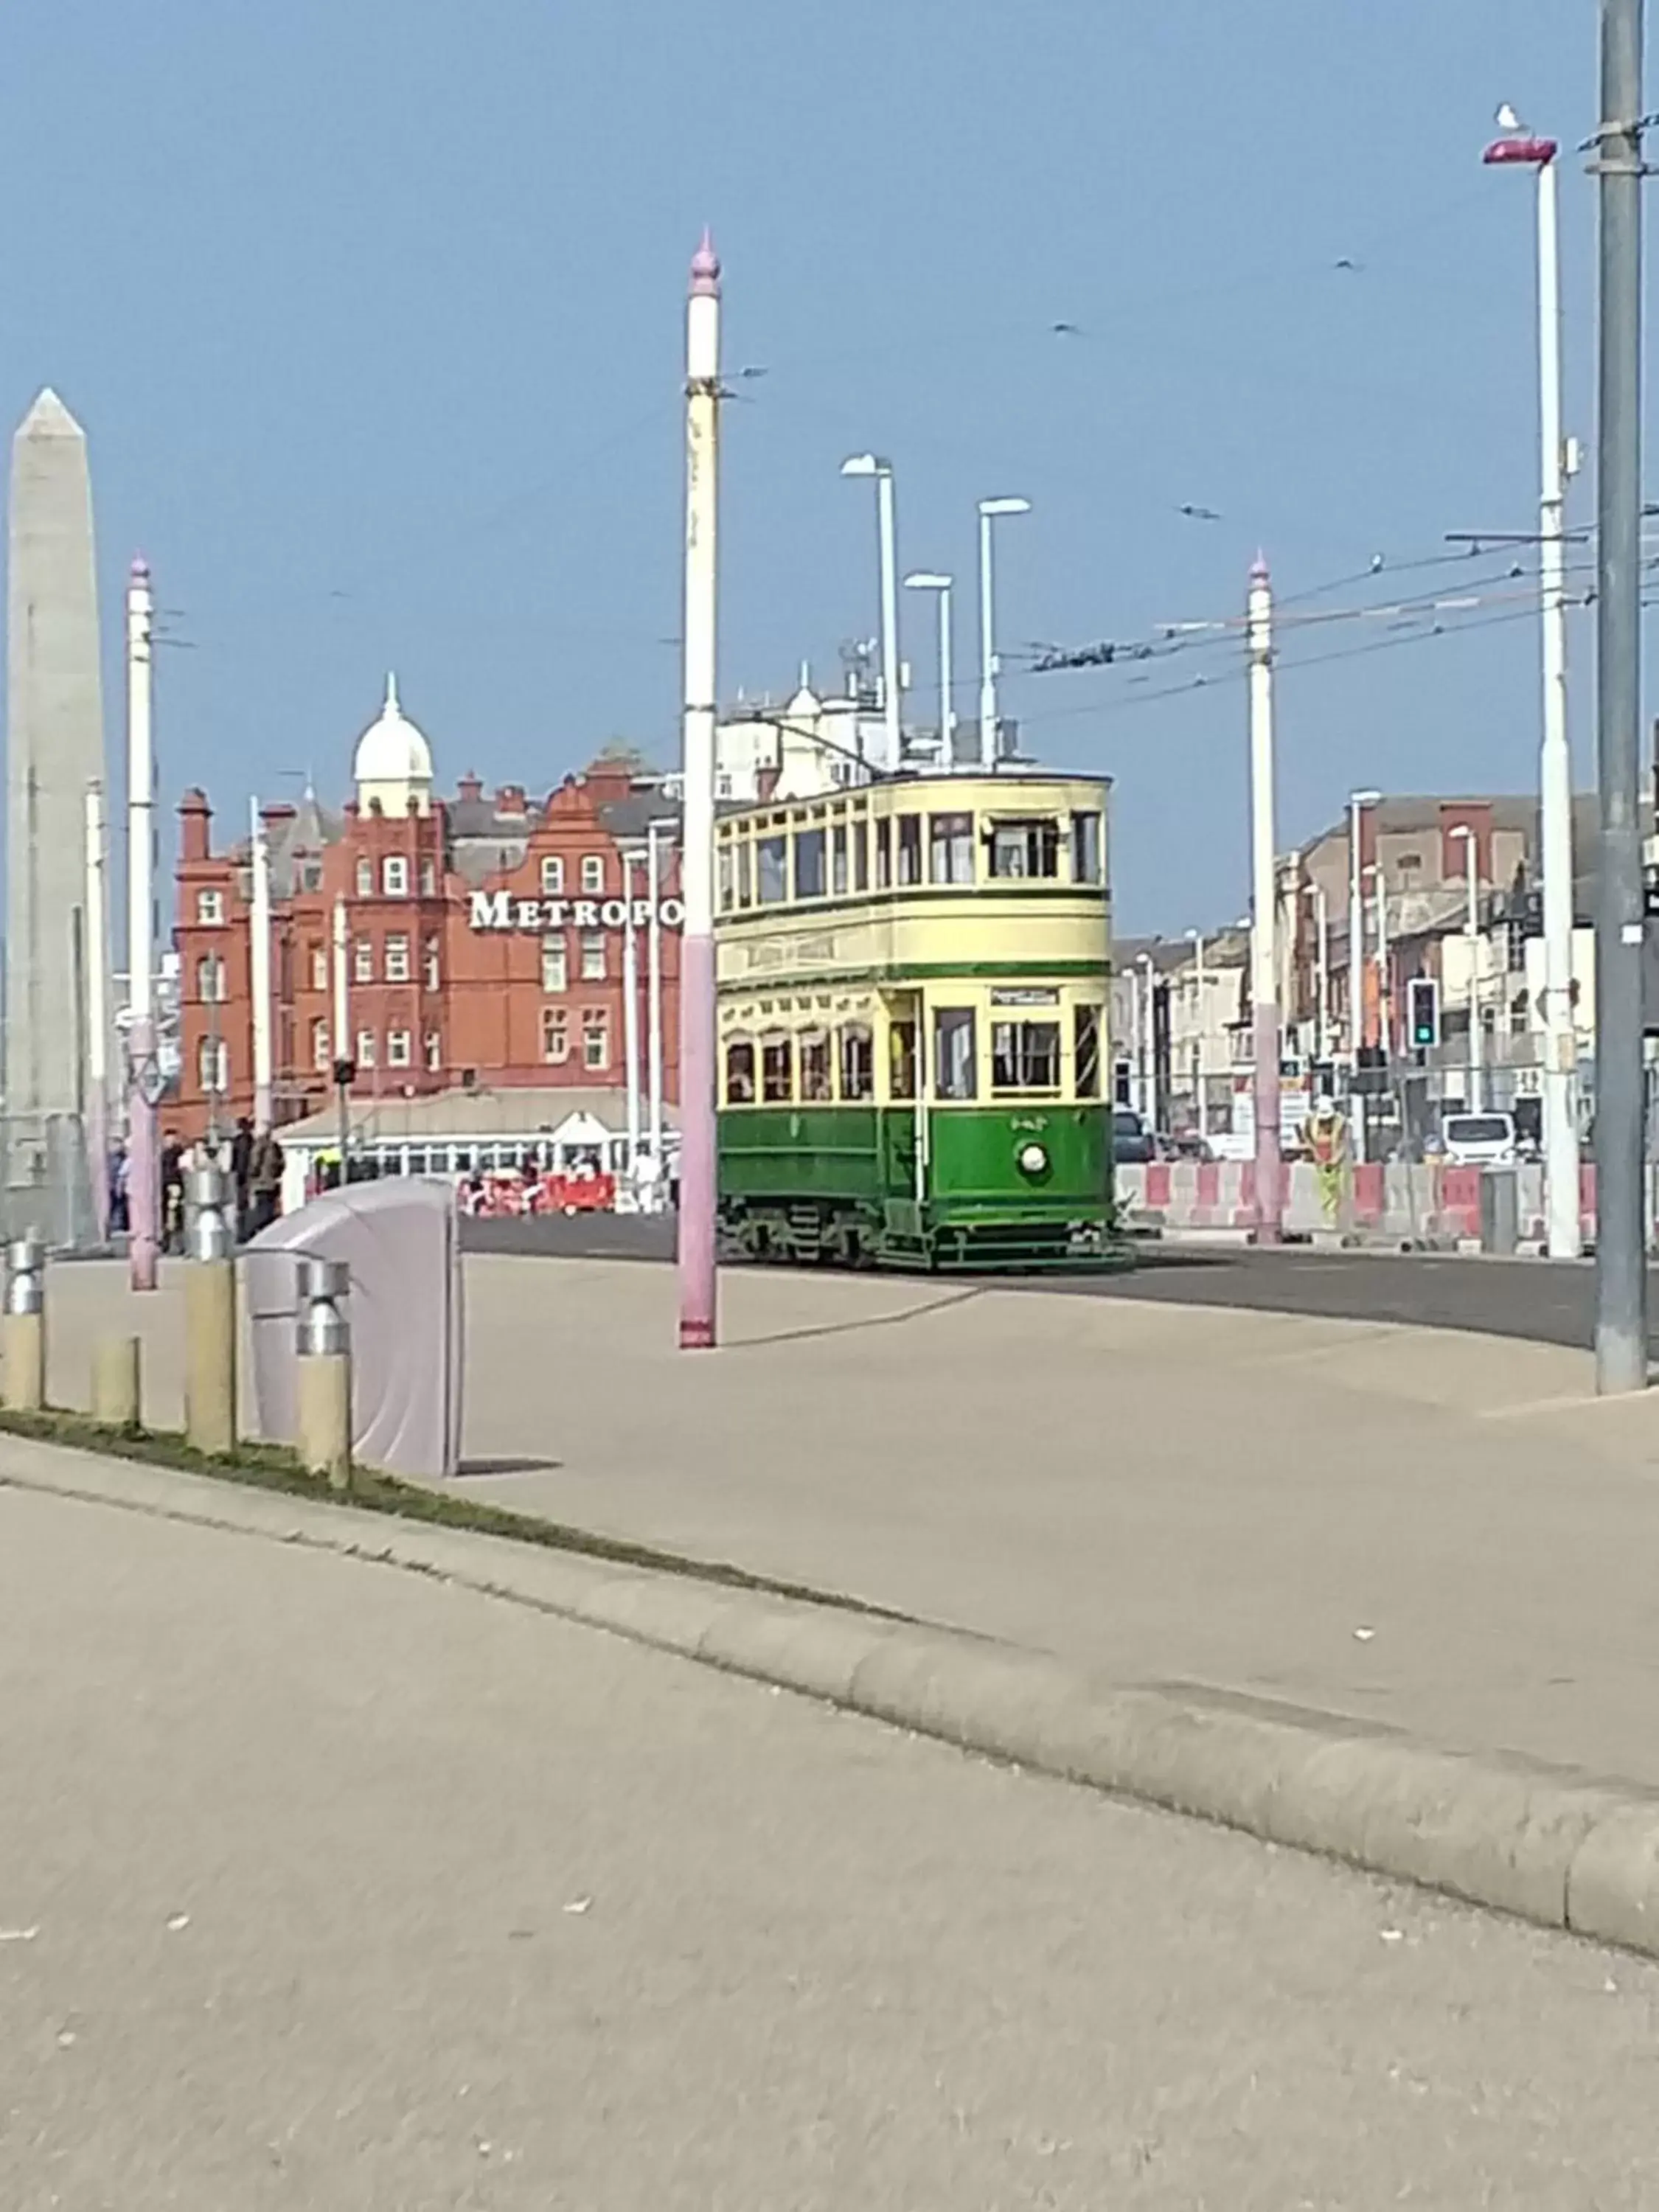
x=211, y=1319
x=323, y=1377
x=25, y=1375
x=115, y=1387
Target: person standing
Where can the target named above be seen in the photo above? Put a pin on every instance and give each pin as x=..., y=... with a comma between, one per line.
x=241, y=1162
x=264, y=1181
x=173, y=1192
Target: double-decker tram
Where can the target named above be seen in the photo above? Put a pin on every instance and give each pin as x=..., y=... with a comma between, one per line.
x=912, y=981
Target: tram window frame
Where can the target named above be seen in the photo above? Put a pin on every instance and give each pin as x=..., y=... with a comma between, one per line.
x=811, y=860
x=955, y=1069
x=857, y=831
x=740, y=1070
x=726, y=875
x=1012, y=1058
x=1085, y=1051
x=746, y=852
x=813, y=1070
x=1034, y=839
x=903, y=1074
x=840, y=872
x=908, y=852
x=950, y=849
x=884, y=853
x=1088, y=847
x=777, y=1068
x=772, y=868
x=857, y=1059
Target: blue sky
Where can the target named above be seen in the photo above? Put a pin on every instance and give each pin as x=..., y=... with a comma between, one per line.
x=372, y=312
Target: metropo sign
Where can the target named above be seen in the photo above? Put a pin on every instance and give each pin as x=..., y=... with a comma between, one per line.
x=500, y=910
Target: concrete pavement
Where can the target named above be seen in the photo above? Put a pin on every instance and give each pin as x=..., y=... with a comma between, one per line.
x=322, y=1885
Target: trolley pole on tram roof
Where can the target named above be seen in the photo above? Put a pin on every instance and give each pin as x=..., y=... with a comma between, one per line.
x=1621, y=1332
x=1264, y=934
x=697, y=1164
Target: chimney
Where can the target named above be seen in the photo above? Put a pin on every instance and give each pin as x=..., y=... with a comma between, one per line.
x=194, y=816
x=469, y=786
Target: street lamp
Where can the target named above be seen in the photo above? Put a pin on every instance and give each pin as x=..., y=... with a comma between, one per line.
x=1517, y=148
x=1384, y=982
x=988, y=668
x=1144, y=1035
x=1196, y=939
x=1322, y=969
x=1356, y=801
x=925, y=579
x=1471, y=845
x=871, y=465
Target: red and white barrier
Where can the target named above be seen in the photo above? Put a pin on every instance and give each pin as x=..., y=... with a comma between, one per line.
x=1392, y=1203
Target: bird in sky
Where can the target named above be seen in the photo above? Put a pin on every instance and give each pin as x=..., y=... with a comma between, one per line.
x=1348, y=263
x=1065, y=330
x=1198, y=513
x=754, y=370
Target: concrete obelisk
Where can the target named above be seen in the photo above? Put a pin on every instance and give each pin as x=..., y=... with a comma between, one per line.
x=54, y=750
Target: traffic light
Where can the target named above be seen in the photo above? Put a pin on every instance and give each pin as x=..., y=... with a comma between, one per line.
x=1424, y=1011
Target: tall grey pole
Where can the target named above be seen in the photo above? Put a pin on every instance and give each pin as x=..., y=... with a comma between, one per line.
x=1621, y=1337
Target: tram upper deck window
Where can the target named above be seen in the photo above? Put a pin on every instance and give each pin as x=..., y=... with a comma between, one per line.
x=883, y=854
x=859, y=831
x=744, y=848
x=838, y=874
x=725, y=874
x=740, y=1072
x=954, y=1058
x=858, y=1063
x=1085, y=849
x=1025, y=1056
x=901, y=1060
x=815, y=1089
x=950, y=849
x=810, y=881
x=777, y=1070
x=772, y=857
x=1086, y=1052
x=1029, y=850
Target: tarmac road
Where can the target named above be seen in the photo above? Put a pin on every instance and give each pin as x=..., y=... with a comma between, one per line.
x=1544, y=1301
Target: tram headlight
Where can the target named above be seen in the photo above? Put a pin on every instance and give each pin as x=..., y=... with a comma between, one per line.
x=1032, y=1159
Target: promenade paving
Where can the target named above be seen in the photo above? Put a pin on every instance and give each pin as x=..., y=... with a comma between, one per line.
x=1433, y=1529
x=323, y=1885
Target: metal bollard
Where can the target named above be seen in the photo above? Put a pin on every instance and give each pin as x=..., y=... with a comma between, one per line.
x=211, y=1317
x=26, y=1324
x=115, y=1389
x=324, y=1378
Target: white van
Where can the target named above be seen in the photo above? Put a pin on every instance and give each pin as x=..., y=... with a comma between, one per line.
x=1479, y=1140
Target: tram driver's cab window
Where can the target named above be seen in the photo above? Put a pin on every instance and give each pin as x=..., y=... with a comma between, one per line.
x=953, y=1052
x=740, y=1072
x=1025, y=850
x=901, y=1060
x=1085, y=1051
x=857, y=1064
x=1025, y=1056
x=777, y=1070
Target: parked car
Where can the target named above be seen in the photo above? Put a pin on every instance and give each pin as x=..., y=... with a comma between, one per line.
x=1131, y=1140
x=1479, y=1140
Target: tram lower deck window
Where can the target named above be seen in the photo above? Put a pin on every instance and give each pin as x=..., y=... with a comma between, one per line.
x=815, y=1088
x=1085, y=1043
x=858, y=1063
x=1025, y=1055
x=777, y=1070
x=902, y=1061
x=740, y=1072
x=954, y=1069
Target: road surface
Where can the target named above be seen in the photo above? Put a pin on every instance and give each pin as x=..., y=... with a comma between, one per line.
x=1544, y=1301
x=326, y=1886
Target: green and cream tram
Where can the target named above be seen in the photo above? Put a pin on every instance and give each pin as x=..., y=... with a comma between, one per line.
x=912, y=997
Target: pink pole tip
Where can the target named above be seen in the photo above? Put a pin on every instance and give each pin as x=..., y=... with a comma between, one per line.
x=706, y=266
x=140, y=571
x=1258, y=568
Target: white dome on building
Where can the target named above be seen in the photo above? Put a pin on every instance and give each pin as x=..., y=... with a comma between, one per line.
x=393, y=762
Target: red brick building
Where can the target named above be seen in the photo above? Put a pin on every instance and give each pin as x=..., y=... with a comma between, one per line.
x=485, y=937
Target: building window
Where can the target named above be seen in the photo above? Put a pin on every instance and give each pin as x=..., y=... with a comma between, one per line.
x=553, y=875
x=318, y=968
x=809, y=864
x=213, y=1066
x=432, y=964
x=592, y=955
x=953, y=1052
x=1025, y=1055
x=319, y=1044
x=950, y=849
x=593, y=871
x=773, y=855
x=858, y=1063
x=1085, y=849
x=595, y=1038
x=815, y=1068
x=210, y=980
x=365, y=878
x=1085, y=1046
x=362, y=961
x=434, y=1050
x=777, y=1070
x=740, y=1072
x=397, y=959
x=365, y=1047
x=398, y=1048
x=311, y=875
x=428, y=877
x=554, y=966
x=556, y=1035
x=1025, y=849
x=909, y=848
x=211, y=908
x=394, y=876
